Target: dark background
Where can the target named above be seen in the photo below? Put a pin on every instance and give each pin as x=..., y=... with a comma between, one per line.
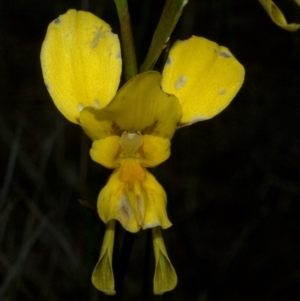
x=232, y=182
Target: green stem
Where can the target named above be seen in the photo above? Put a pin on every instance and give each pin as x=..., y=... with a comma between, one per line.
x=147, y=266
x=123, y=261
x=128, y=51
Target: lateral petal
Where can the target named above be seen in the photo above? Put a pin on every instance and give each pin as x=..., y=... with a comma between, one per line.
x=154, y=150
x=106, y=151
x=204, y=76
x=81, y=62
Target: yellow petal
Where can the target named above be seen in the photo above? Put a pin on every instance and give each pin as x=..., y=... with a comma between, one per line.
x=141, y=105
x=96, y=124
x=103, y=276
x=277, y=16
x=81, y=62
x=134, y=198
x=204, y=76
x=153, y=203
x=106, y=151
x=154, y=150
x=165, y=278
x=297, y=2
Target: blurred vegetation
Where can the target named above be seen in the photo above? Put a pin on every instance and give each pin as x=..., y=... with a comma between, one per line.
x=232, y=182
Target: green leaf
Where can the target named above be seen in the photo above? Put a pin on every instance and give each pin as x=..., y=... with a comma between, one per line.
x=169, y=18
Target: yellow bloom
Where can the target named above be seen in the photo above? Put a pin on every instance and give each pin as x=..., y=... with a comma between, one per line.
x=277, y=16
x=131, y=129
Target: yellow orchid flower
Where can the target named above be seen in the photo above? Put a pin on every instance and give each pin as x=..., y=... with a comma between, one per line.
x=131, y=128
x=277, y=16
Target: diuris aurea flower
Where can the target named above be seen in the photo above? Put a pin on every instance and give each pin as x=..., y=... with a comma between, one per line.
x=131, y=128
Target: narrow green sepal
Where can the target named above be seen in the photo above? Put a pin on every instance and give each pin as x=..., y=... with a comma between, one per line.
x=165, y=278
x=103, y=276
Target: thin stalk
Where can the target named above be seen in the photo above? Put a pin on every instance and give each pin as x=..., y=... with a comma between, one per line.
x=123, y=261
x=128, y=51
